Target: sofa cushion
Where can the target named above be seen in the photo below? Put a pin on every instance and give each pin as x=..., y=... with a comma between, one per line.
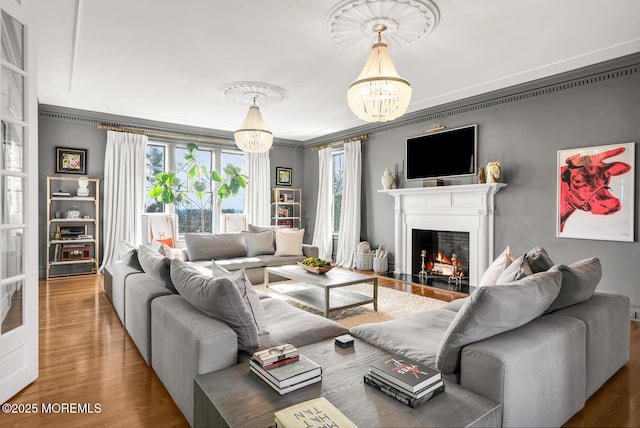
x=455, y=305
x=416, y=336
x=579, y=281
x=207, y=246
x=156, y=266
x=496, y=268
x=128, y=253
x=249, y=294
x=288, y=324
x=259, y=243
x=241, y=263
x=289, y=242
x=280, y=260
x=517, y=270
x=218, y=298
x=493, y=310
x=538, y=259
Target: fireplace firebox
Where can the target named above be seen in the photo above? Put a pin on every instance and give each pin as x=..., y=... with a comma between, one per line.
x=441, y=255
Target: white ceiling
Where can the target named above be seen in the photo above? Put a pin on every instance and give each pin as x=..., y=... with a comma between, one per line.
x=165, y=60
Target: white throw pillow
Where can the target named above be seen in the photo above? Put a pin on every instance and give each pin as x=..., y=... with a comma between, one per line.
x=289, y=242
x=249, y=294
x=496, y=268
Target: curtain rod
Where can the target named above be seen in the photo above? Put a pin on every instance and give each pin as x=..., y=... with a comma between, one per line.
x=161, y=134
x=337, y=143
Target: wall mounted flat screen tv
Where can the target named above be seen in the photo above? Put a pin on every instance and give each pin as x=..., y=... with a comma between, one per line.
x=447, y=153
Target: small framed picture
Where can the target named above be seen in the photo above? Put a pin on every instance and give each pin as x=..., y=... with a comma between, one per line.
x=71, y=161
x=284, y=176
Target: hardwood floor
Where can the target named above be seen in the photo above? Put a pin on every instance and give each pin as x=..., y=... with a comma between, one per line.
x=86, y=356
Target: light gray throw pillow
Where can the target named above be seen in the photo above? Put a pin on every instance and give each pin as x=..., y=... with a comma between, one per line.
x=207, y=246
x=248, y=293
x=538, y=259
x=156, y=266
x=218, y=298
x=579, y=281
x=517, y=270
x=493, y=310
x=128, y=253
x=259, y=243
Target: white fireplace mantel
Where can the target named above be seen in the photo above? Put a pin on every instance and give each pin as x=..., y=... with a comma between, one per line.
x=458, y=208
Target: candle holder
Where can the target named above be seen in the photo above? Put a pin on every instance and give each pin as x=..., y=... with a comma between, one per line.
x=423, y=273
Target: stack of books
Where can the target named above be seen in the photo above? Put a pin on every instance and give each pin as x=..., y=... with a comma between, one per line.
x=284, y=369
x=407, y=381
x=318, y=412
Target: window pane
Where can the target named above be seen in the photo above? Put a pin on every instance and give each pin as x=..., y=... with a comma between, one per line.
x=12, y=146
x=13, y=206
x=12, y=244
x=155, y=164
x=233, y=204
x=12, y=41
x=338, y=175
x=194, y=213
x=12, y=104
x=11, y=302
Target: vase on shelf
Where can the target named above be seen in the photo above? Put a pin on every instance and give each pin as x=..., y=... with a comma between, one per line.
x=387, y=179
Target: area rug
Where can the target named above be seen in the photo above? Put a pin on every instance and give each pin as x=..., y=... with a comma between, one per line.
x=392, y=304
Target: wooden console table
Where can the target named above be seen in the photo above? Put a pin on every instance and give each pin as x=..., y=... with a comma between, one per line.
x=236, y=397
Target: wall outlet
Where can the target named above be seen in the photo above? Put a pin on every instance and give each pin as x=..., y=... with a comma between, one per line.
x=634, y=315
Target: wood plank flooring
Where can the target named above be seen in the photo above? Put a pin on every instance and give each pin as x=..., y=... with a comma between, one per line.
x=86, y=356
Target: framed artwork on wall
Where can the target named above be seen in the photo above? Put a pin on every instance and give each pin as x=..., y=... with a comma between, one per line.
x=71, y=161
x=595, y=193
x=284, y=176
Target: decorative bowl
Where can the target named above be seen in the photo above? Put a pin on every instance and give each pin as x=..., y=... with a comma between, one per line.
x=318, y=270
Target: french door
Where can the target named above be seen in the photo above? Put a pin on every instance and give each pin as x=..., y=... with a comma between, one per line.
x=18, y=199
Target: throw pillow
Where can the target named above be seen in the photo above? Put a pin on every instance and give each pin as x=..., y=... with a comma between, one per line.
x=207, y=246
x=494, y=310
x=496, y=268
x=289, y=242
x=128, y=253
x=248, y=293
x=254, y=228
x=579, y=281
x=259, y=243
x=219, y=299
x=538, y=259
x=518, y=269
x=156, y=266
x=168, y=242
x=166, y=251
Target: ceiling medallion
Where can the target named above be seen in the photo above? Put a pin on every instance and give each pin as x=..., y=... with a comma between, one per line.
x=349, y=22
x=253, y=136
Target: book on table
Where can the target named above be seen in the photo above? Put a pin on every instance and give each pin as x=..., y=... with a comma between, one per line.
x=418, y=394
x=277, y=353
x=407, y=374
x=316, y=413
x=285, y=390
x=413, y=400
x=289, y=374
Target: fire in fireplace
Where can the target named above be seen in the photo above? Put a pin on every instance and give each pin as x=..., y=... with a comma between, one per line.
x=440, y=254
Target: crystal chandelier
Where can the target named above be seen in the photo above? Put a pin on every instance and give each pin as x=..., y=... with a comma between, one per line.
x=253, y=135
x=379, y=93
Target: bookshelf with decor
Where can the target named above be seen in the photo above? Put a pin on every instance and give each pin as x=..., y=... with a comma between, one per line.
x=73, y=226
x=286, y=208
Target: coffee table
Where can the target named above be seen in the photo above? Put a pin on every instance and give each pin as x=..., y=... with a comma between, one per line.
x=322, y=291
x=236, y=397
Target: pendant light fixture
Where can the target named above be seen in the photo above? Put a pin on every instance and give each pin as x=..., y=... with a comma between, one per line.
x=379, y=93
x=253, y=135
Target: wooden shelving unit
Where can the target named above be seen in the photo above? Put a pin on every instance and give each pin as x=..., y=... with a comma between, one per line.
x=72, y=241
x=286, y=208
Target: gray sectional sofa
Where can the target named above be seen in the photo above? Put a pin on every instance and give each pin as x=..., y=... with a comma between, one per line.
x=540, y=344
x=184, y=334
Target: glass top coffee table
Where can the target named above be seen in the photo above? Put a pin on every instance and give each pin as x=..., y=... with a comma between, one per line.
x=322, y=291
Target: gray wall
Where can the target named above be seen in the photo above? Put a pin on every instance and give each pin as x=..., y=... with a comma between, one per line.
x=524, y=136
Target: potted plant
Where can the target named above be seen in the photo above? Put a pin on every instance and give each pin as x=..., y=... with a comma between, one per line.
x=169, y=189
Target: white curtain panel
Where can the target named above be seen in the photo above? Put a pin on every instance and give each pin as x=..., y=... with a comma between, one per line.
x=323, y=230
x=349, y=236
x=124, y=191
x=258, y=195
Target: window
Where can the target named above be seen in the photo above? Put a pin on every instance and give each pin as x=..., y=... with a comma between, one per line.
x=338, y=178
x=199, y=211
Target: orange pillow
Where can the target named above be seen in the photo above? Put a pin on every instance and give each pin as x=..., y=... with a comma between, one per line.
x=168, y=242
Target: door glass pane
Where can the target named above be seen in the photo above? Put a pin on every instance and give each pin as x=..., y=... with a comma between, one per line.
x=11, y=306
x=12, y=243
x=12, y=147
x=12, y=102
x=13, y=206
x=155, y=164
x=195, y=212
x=233, y=204
x=12, y=41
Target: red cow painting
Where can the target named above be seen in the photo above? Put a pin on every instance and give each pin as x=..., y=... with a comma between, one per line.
x=595, y=192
